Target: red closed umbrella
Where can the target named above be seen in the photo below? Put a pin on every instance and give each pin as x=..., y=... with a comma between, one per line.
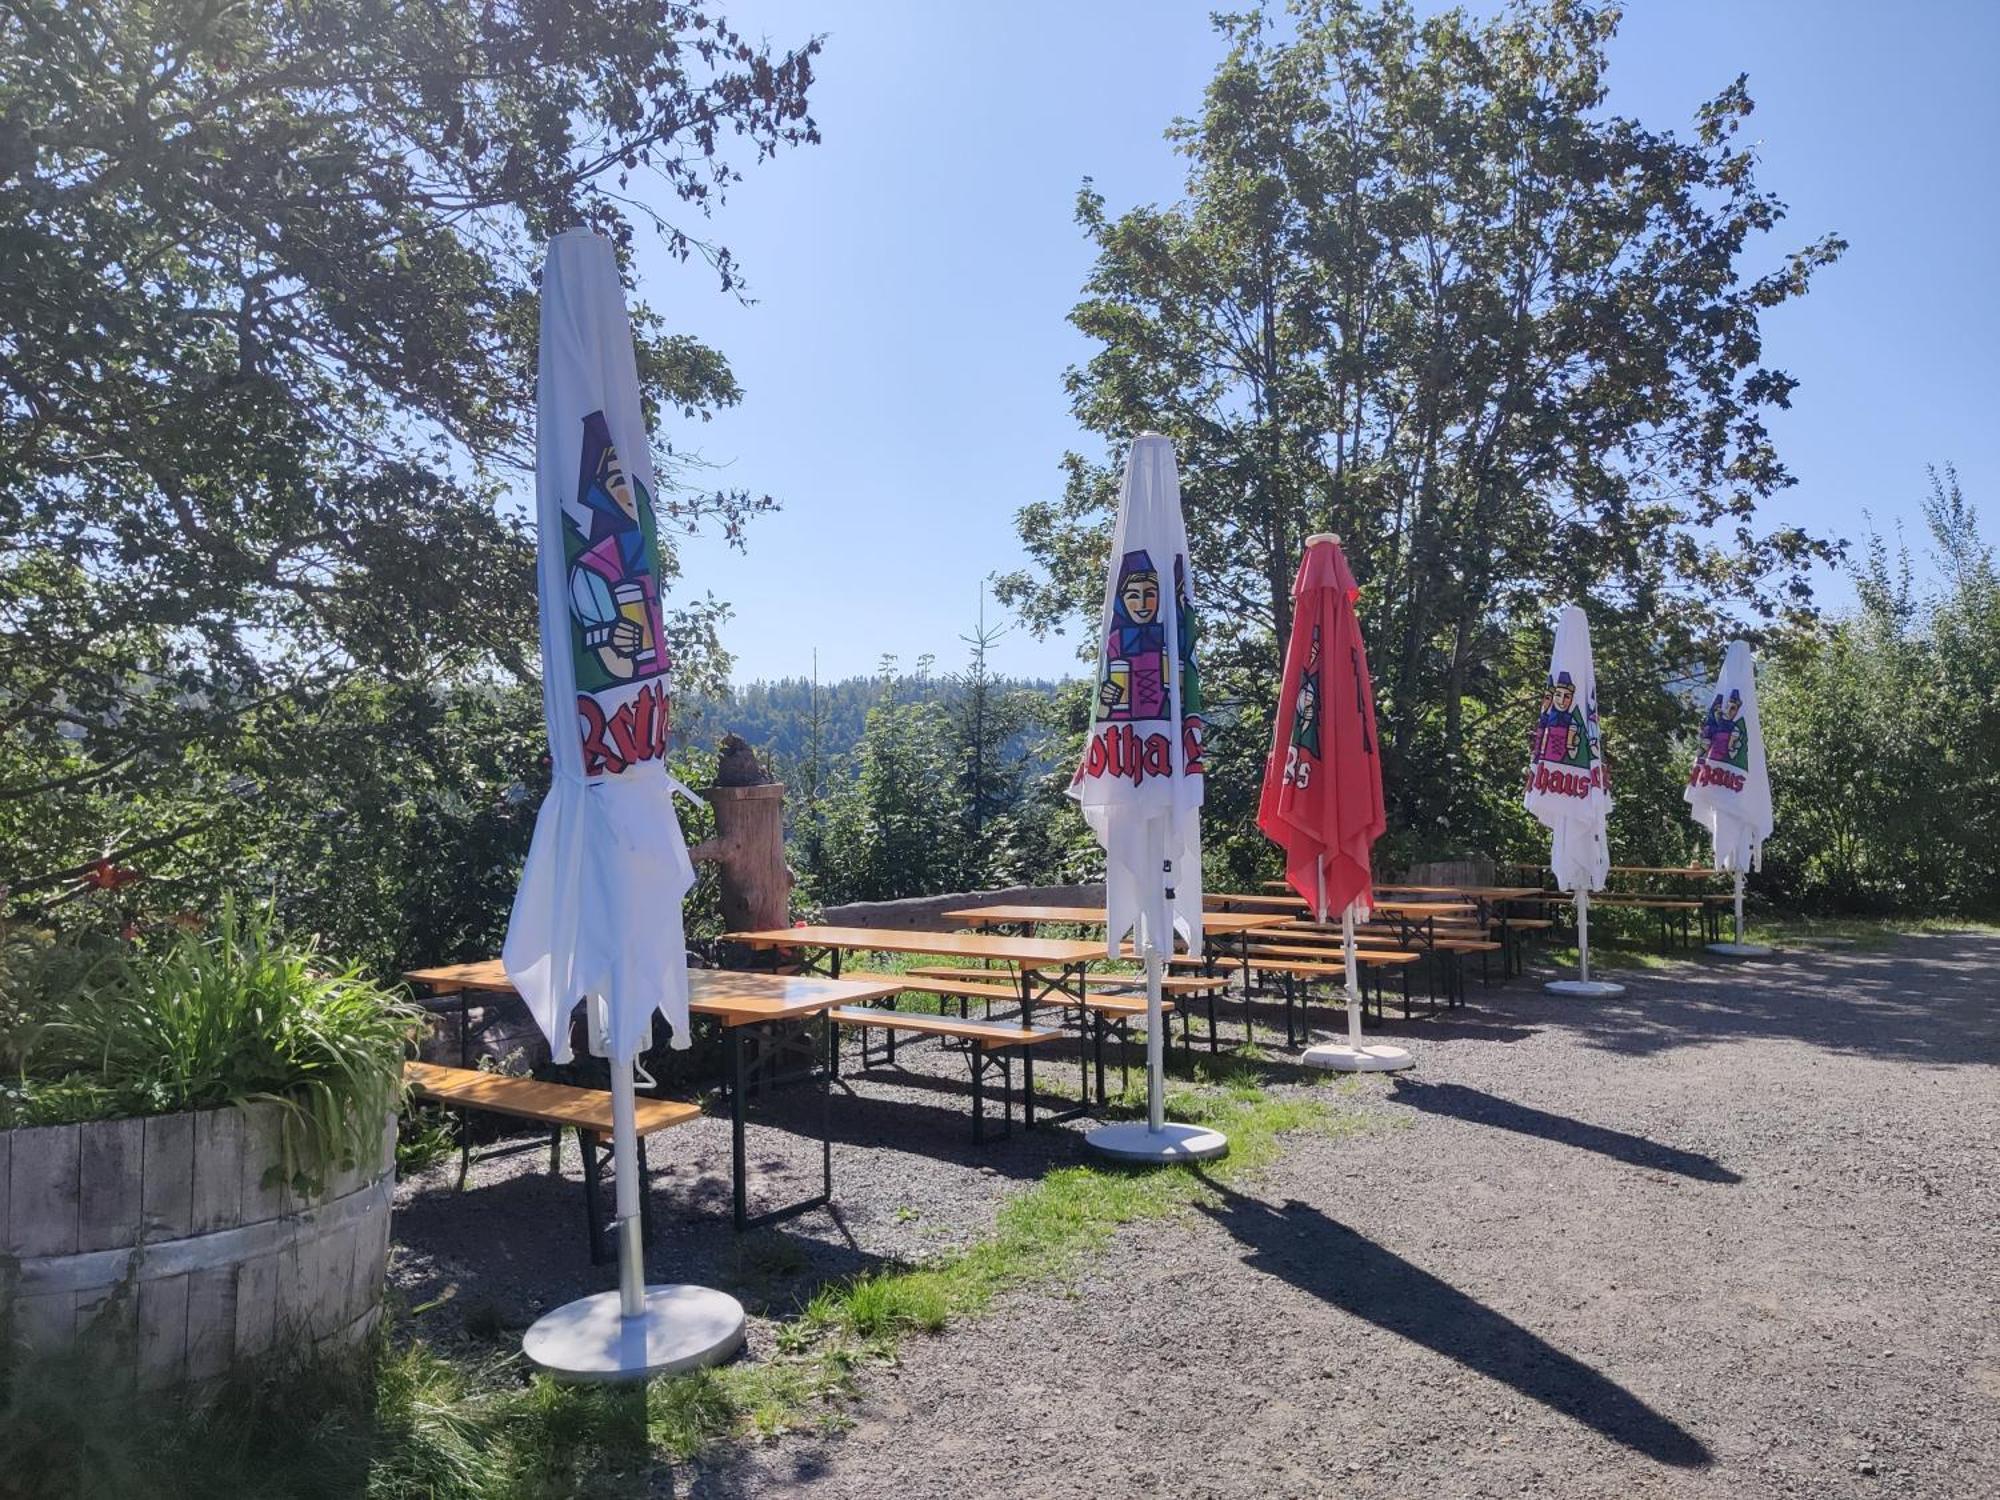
x=1322, y=801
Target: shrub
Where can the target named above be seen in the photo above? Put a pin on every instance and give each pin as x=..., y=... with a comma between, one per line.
x=91, y=1028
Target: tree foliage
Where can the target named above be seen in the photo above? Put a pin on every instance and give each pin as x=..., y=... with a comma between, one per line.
x=1883, y=731
x=1425, y=291
x=267, y=334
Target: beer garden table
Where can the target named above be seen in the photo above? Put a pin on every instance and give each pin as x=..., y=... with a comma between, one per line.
x=1034, y=960
x=738, y=1002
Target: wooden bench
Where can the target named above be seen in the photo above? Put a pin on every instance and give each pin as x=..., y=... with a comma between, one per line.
x=556, y=1105
x=1292, y=970
x=988, y=1045
x=1665, y=908
x=1096, y=1010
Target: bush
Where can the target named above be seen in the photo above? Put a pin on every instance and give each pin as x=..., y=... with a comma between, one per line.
x=95, y=1028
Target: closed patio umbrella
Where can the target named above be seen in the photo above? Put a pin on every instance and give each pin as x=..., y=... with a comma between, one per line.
x=1322, y=799
x=1729, y=789
x=597, y=917
x=1140, y=779
x=1569, y=792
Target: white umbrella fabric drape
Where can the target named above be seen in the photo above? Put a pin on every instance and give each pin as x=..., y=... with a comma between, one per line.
x=1140, y=779
x=1567, y=787
x=1729, y=790
x=598, y=912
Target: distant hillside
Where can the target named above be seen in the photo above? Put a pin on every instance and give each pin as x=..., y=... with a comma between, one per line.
x=776, y=717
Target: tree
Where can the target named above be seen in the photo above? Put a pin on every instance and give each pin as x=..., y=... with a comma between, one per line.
x=267, y=351
x=1883, y=730
x=1424, y=292
x=989, y=722
x=895, y=828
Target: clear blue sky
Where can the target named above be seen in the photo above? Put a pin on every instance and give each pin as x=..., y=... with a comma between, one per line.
x=902, y=363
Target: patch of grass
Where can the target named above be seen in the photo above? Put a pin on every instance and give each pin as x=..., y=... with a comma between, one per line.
x=1613, y=954
x=1862, y=932
x=425, y=1136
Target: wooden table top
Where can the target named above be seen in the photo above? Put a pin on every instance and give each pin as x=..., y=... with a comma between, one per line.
x=1060, y=952
x=1093, y=916
x=1473, y=892
x=1688, y=872
x=1255, y=902
x=728, y=995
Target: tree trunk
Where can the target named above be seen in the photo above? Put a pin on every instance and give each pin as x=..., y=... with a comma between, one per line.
x=748, y=851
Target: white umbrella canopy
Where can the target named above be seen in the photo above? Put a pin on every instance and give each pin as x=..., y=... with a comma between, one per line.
x=1139, y=781
x=1568, y=790
x=597, y=916
x=598, y=911
x=1729, y=790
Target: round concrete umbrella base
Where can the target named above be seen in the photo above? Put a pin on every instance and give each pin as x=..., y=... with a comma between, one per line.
x=1742, y=950
x=682, y=1328
x=1584, y=989
x=1371, y=1057
x=1131, y=1141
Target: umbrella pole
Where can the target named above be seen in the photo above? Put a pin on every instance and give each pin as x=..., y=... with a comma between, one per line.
x=1739, y=948
x=1583, y=985
x=1583, y=935
x=1156, y=1083
x=625, y=1169
x=1353, y=978
x=1153, y=1142
x=1354, y=1055
x=637, y=1331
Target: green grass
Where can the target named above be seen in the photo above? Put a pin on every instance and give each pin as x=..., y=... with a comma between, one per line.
x=1862, y=932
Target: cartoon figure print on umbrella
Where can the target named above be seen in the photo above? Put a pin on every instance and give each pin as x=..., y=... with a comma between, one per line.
x=1134, y=685
x=614, y=598
x=1723, y=734
x=1563, y=736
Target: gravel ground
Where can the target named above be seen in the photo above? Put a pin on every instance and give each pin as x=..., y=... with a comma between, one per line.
x=1732, y=1235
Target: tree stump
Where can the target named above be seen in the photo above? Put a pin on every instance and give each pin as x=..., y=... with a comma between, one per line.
x=748, y=851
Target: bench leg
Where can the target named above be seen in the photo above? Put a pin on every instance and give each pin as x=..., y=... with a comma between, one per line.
x=1291, y=1037
x=645, y=1195
x=976, y=1057
x=592, y=1205
x=1027, y=1088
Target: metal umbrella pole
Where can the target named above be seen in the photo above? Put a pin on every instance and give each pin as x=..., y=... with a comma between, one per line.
x=1583, y=986
x=1353, y=1055
x=1155, y=1142
x=1739, y=948
x=637, y=1331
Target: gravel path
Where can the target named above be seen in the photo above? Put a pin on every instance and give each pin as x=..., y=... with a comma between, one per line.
x=1733, y=1235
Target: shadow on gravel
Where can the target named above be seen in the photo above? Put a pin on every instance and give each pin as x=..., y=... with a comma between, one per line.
x=1321, y=1256
x=1479, y=1108
x=1928, y=999
x=508, y=1250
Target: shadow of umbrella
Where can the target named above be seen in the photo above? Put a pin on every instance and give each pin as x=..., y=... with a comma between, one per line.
x=1302, y=1246
x=1479, y=1108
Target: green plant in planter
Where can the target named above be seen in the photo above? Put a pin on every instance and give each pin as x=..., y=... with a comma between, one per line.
x=198, y=1020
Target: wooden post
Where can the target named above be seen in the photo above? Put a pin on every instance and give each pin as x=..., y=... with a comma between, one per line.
x=749, y=852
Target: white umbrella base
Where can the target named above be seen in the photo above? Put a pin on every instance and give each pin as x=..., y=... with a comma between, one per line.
x=1584, y=989
x=1370, y=1057
x=1131, y=1141
x=1742, y=950
x=682, y=1328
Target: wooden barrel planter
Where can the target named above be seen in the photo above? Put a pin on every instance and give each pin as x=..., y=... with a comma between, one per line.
x=159, y=1242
